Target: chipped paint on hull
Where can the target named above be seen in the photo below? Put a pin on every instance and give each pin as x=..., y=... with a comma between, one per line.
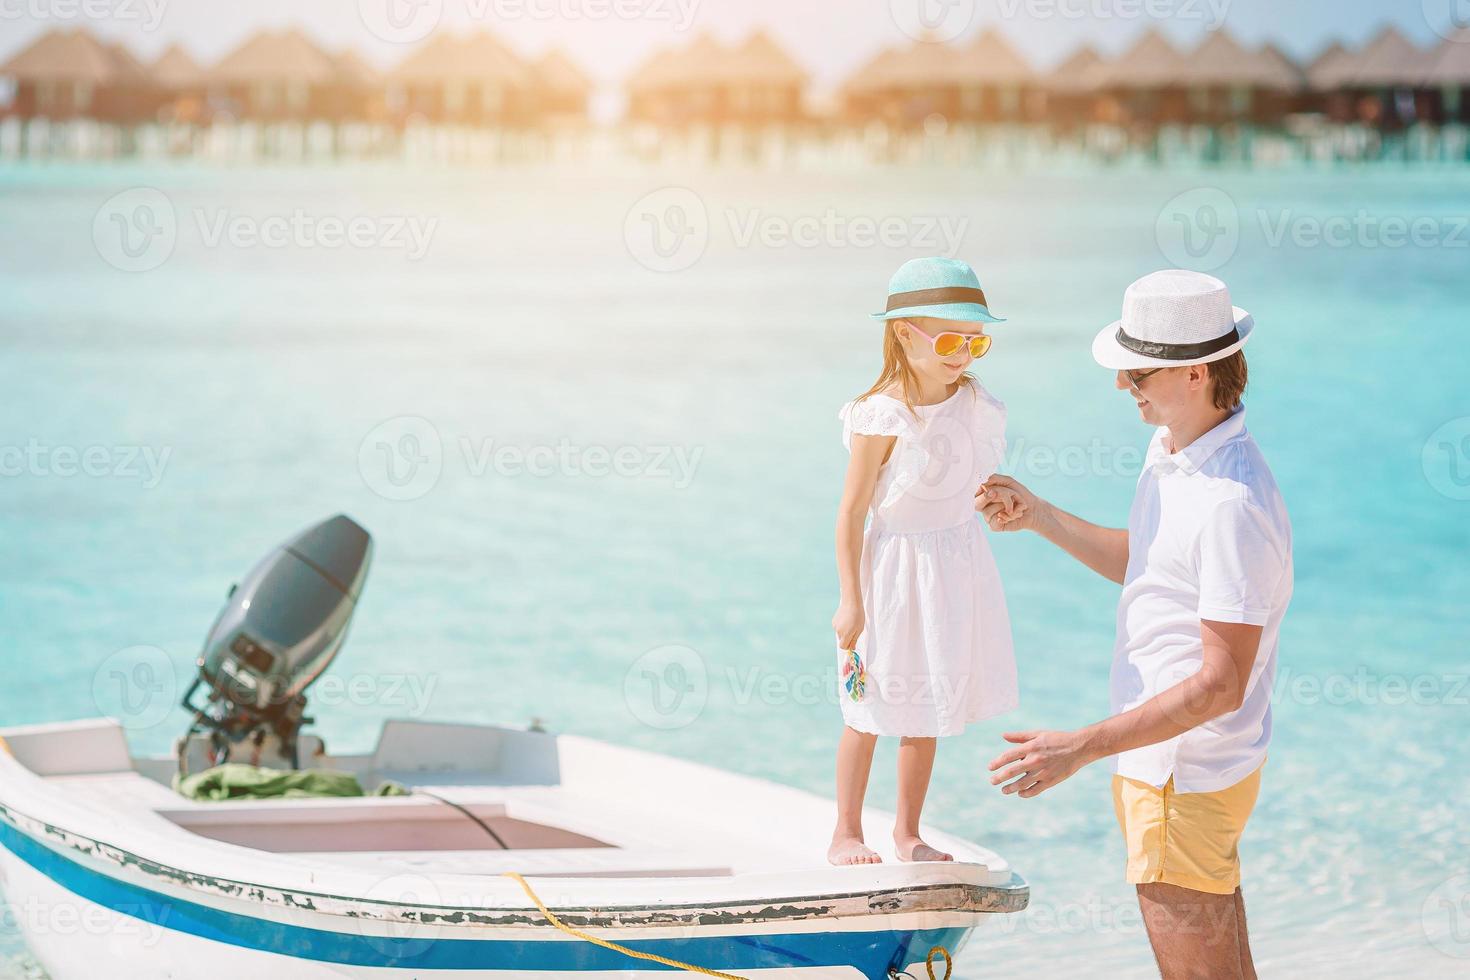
x=962, y=898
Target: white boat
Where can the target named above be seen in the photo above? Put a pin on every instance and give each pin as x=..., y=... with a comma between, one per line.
x=618, y=855
x=110, y=872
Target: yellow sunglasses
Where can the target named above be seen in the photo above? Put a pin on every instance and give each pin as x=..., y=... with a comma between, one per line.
x=949, y=344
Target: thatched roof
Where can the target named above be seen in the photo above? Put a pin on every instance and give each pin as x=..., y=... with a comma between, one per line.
x=875, y=74
x=556, y=72
x=1325, y=70
x=353, y=70
x=175, y=69
x=1450, y=62
x=1280, y=66
x=67, y=55
x=478, y=57
x=1152, y=62
x=988, y=60
x=761, y=60
x=1389, y=59
x=276, y=56
x=1076, y=73
x=1222, y=61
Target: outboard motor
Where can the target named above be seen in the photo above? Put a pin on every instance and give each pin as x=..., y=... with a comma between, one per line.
x=281, y=628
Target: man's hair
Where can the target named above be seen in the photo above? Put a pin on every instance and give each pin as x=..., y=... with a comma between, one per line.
x=1227, y=380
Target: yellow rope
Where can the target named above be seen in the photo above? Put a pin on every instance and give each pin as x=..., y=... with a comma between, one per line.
x=614, y=946
x=948, y=963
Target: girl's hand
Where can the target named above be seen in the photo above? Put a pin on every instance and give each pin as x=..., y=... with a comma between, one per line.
x=848, y=624
x=1007, y=505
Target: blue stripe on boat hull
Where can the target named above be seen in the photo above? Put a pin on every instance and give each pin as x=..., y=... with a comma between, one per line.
x=869, y=952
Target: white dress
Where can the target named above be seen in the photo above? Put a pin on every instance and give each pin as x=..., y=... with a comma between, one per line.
x=935, y=650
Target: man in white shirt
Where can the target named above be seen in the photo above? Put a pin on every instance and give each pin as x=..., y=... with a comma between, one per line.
x=1205, y=565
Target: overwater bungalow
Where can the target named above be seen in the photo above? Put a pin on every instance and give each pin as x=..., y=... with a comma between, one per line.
x=1227, y=84
x=68, y=74
x=275, y=76
x=1379, y=85
x=1071, y=90
x=984, y=81
x=180, y=85
x=762, y=84
x=1145, y=86
x=993, y=82
x=472, y=80
x=1448, y=77
x=1323, y=73
x=357, y=90
x=755, y=84
x=563, y=90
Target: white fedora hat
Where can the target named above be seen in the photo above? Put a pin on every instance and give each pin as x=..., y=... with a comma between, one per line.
x=1172, y=319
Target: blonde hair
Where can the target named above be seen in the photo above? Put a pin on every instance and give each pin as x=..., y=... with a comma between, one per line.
x=897, y=372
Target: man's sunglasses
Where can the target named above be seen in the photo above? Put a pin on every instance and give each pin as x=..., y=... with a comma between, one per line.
x=1136, y=378
x=949, y=344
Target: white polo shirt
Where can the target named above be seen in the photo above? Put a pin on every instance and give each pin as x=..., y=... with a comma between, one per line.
x=1208, y=538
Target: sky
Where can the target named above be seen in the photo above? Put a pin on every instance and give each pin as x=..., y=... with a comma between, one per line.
x=831, y=38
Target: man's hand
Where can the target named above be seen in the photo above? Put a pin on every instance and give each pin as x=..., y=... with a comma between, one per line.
x=1007, y=505
x=1039, y=761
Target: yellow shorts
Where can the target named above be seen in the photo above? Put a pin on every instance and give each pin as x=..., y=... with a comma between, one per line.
x=1184, y=839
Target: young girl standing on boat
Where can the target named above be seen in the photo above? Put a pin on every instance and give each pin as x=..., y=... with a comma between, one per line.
x=922, y=630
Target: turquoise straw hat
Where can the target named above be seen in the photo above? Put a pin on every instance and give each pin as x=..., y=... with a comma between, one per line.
x=937, y=287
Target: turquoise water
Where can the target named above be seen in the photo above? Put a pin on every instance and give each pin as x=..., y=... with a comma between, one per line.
x=259, y=379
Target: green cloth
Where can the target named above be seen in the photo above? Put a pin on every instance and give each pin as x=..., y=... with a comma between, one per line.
x=237, y=781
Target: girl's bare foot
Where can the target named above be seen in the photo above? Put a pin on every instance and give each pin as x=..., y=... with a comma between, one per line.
x=914, y=849
x=851, y=850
